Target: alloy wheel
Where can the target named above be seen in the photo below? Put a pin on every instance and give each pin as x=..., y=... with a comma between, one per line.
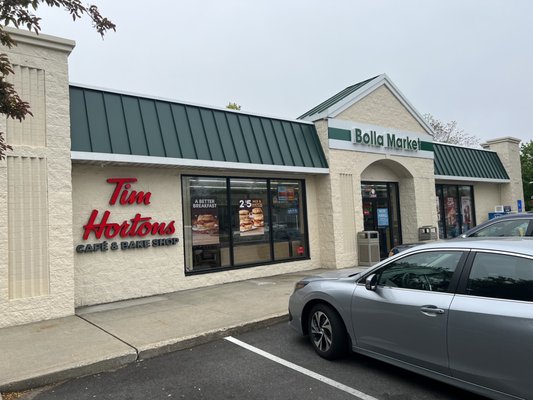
x=321, y=331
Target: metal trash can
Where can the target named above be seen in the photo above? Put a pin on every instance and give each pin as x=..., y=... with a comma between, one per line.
x=427, y=232
x=368, y=247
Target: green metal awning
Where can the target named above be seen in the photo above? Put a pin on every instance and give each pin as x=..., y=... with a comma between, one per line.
x=109, y=126
x=461, y=162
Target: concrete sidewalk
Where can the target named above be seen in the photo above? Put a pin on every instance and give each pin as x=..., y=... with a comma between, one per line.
x=109, y=336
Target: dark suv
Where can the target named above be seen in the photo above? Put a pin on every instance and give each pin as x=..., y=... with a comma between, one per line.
x=506, y=225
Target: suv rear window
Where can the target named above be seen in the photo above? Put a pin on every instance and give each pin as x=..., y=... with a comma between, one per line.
x=515, y=227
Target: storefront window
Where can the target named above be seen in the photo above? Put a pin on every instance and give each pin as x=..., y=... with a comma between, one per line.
x=465, y=193
x=220, y=237
x=455, y=209
x=206, y=224
x=451, y=211
x=249, y=206
x=288, y=219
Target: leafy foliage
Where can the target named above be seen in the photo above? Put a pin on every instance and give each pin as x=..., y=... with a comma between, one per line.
x=20, y=14
x=233, y=106
x=526, y=161
x=448, y=132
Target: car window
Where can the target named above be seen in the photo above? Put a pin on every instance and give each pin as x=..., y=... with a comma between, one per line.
x=516, y=227
x=501, y=276
x=431, y=271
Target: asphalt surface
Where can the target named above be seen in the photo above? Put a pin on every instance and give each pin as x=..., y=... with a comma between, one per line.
x=225, y=370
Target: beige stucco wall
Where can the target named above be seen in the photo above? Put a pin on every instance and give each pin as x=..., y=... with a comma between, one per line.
x=486, y=196
x=414, y=175
x=326, y=227
x=41, y=151
x=123, y=274
x=416, y=185
x=382, y=108
x=508, y=150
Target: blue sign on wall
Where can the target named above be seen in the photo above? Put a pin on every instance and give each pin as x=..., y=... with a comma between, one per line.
x=383, y=217
x=519, y=203
x=493, y=215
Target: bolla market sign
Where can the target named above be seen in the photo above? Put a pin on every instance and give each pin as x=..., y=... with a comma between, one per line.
x=386, y=140
x=132, y=233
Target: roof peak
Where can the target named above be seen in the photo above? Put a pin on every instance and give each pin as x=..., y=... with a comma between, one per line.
x=353, y=94
x=337, y=98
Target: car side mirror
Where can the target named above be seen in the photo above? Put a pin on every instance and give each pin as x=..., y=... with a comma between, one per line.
x=371, y=282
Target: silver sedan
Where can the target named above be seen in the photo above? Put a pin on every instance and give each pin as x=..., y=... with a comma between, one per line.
x=460, y=312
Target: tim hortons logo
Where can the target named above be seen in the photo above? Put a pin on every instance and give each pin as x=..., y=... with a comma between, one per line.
x=136, y=226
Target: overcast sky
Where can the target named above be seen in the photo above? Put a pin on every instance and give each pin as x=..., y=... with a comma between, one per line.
x=469, y=61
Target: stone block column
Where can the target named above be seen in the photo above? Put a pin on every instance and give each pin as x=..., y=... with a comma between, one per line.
x=508, y=149
x=36, y=270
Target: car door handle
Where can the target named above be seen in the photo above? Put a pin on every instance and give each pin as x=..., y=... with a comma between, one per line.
x=431, y=311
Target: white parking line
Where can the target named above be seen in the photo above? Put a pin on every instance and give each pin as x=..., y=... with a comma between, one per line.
x=305, y=371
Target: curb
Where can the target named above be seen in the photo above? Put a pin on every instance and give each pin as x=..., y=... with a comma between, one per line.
x=69, y=373
x=192, y=341
x=148, y=352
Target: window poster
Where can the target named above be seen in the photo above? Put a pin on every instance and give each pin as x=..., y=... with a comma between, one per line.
x=290, y=194
x=466, y=208
x=282, y=194
x=251, y=218
x=383, y=217
x=451, y=211
x=204, y=221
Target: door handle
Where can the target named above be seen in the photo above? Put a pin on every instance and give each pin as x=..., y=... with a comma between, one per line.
x=431, y=311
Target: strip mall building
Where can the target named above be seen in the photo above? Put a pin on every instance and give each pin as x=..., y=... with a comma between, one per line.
x=111, y=196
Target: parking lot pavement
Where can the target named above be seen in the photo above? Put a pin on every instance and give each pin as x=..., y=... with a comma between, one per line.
x=266, y=363
x=110, y=335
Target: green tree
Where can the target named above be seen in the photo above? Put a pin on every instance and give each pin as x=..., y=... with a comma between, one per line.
x=526, y=161
x=448, y=132
x=233, y=106
x=21, y=14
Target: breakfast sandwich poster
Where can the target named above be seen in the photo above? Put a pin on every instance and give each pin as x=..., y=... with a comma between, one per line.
x=204, y=222
x=251, y=218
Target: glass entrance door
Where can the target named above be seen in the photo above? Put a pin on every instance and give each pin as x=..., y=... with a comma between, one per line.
x=381, y=213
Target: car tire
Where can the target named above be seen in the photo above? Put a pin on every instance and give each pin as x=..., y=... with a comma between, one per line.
x=327, y=332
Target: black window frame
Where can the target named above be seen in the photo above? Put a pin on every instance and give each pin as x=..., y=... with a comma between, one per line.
x=232, y=265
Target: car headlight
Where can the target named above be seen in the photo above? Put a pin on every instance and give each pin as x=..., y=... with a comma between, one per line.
x=300, y=285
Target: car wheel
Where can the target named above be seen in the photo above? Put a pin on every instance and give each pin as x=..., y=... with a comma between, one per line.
x=327, y=332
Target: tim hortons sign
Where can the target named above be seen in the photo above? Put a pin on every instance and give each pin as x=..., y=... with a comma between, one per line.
x=136, y=233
